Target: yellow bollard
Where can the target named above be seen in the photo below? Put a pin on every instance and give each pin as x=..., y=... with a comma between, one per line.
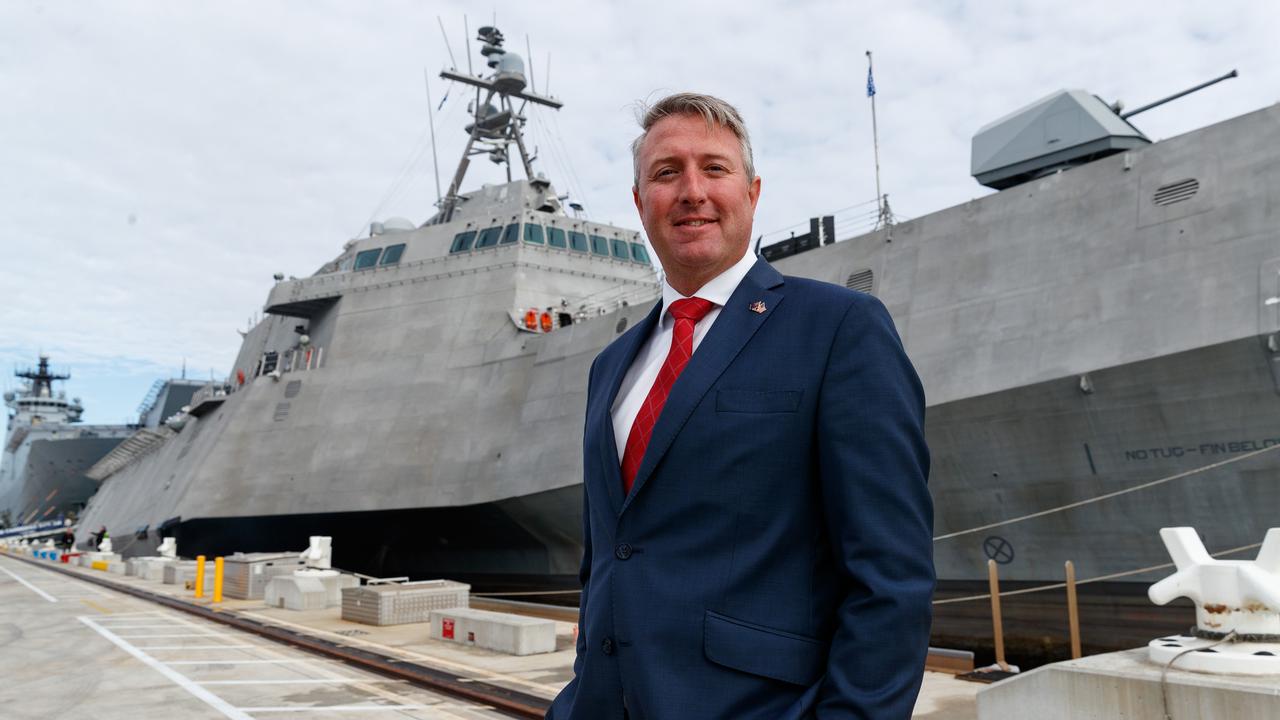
x=217, y=580
x=1073, y=611
x=993, y=578
x=199, y=576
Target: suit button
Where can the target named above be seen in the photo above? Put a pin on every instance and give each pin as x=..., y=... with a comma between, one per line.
x=607, y=646
x=622, y=551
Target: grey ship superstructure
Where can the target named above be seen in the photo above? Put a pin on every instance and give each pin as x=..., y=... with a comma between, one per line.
x=47, y=451
x=1109, y=318
x=420, y=397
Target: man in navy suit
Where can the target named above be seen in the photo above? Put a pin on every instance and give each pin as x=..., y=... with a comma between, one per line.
x=757, y=529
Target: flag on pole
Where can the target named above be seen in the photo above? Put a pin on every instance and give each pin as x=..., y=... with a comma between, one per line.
x=871, y=84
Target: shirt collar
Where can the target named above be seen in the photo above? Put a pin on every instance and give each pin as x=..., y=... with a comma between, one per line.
x=718, y=289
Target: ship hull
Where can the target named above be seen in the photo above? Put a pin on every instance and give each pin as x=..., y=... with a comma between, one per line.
x=498, y=546
x=44, y=475
x=996, y=458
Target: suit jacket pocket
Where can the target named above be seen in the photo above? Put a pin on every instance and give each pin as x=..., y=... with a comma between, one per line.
x=758, y=401
x=764, y=651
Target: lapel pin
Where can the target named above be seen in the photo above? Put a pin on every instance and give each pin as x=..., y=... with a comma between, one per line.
x=758, y=307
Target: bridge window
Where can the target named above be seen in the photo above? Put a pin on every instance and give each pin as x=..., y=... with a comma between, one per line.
x=639, y=254
x=533, y=234
x=599, y=245
x=367, y=258
x=462, y=241
x=511, y=234
x=392, y=254
x=577, y=241
x=555, y=237
x=620, y=249
x=489, y=237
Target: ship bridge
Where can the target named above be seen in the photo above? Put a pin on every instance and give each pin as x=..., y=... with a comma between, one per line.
x=560, y=267
x=571, y=266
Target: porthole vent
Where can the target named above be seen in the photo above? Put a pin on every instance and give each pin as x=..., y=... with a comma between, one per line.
x=861, y=280
x=292, y=389
x=1176, y=192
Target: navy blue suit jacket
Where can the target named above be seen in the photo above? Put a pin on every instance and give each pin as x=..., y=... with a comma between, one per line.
x=773, y=560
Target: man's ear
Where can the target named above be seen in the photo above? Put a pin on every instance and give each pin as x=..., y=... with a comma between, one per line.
x=635, y=195
x=754, y=191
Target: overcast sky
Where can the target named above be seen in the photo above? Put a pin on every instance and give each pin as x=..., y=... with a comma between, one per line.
x=159, y=161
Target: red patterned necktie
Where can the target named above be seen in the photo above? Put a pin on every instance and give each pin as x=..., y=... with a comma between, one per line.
x=687, y=313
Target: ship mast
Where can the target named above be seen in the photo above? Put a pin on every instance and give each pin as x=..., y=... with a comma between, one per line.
x=494, y=128
x=41, y=378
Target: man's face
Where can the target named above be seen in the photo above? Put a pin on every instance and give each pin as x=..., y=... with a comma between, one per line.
x=694, y=198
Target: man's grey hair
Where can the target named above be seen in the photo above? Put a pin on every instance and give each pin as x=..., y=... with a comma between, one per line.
x=712, y=109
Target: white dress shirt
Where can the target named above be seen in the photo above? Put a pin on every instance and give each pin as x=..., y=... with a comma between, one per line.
x=644, y=369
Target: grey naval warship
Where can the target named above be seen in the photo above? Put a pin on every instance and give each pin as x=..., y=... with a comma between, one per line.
x=1110, y=317
x=47, y=452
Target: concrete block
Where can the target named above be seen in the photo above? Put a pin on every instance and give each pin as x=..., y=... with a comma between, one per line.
x=504, y=632
x=295, y=593
x=1127, y=685
x=307, y=591
x=400, y=603
x=245, y=575
x=182, y=572
x=116, y=567
x=149, y=568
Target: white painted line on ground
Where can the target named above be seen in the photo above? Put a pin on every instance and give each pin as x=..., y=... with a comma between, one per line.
x=30, y=587
x=174, y=676
x=248, y=662
x=196, y=647
x=336, y=708
x=150, y=613
x=179, y=635
x=135, y=627
x=303, y=681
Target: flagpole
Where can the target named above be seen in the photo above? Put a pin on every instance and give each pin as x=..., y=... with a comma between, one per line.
x=881, y=215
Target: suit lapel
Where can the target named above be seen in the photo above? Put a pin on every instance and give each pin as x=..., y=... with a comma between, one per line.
x=735, y=325
x=628, y=346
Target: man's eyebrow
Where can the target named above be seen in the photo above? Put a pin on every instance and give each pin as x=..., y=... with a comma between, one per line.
x=703, y=158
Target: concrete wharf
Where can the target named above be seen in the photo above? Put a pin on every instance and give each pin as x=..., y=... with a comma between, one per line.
x=82, y=643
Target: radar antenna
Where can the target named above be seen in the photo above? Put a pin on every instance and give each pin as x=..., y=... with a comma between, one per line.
x=496, y=123
x=41, y=378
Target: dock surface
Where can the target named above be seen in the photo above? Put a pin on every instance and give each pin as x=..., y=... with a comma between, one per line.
x=71, y=647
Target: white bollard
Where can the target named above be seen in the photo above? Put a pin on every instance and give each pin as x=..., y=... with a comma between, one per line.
x=320, y=554
x=1236, y=599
